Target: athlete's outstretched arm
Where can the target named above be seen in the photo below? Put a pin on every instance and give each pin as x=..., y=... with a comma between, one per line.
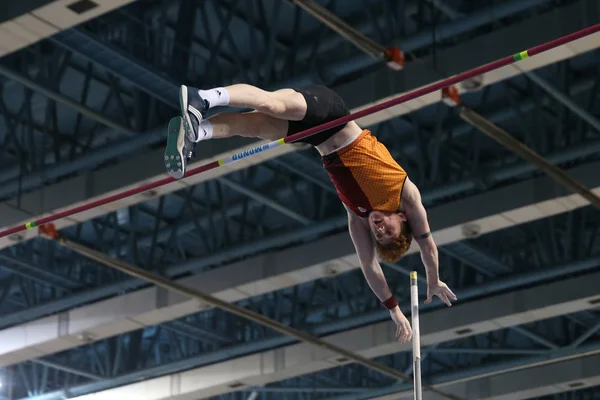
x=417, y=219
x=363, y=243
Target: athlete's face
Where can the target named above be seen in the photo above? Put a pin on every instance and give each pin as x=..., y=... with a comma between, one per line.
x=385, y=225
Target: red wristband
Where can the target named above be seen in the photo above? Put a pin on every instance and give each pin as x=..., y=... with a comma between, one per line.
x=390, y=303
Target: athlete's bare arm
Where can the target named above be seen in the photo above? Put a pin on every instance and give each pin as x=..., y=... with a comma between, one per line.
x=417, y=219
x=363, y=243
x=365, y=249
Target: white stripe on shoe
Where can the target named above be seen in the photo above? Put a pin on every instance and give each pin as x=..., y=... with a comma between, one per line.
x=196, y=113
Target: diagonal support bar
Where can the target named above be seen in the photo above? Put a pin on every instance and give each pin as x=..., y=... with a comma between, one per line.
x=59, y=98
x=343, y=29
x=142, y=76
x=508, y=141
x=535, y=337
x=68, y=369
x=586, y=335
x=265, y=200
x=37, y=274
x=393, y=55
x=562, y=98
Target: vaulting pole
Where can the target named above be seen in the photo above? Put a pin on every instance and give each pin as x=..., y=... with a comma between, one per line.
x=416, y=339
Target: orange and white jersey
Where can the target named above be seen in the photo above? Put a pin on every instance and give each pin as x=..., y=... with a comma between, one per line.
x=366, y=176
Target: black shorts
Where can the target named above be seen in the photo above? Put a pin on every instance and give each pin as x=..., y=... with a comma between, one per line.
x=322, y=105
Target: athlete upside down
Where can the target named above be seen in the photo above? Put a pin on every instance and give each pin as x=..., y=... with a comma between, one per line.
x=384, y=207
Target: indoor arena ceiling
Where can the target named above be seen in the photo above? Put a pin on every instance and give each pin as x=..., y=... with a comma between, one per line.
x=83, y=109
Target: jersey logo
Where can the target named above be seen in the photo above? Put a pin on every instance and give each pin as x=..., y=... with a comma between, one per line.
x=362, y=209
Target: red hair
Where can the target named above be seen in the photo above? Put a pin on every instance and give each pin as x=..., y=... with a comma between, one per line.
x=392, y=252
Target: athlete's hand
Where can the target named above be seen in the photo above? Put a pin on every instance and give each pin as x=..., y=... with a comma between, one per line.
x=441, y=290
x=403, y=328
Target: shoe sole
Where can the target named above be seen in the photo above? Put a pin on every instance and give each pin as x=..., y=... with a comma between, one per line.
x=183, y=103
x=174, y=159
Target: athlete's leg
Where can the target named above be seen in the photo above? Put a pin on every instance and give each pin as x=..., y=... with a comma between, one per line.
x=252, y=124
x=284, y=104
x=296, y=110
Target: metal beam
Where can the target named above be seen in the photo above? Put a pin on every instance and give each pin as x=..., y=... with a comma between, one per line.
x=37, y=274
x=144, y=77
x=585, y=336
x=446, y=9
x=44, y=19
x=85, y=162
x=59, y=98
x=265, y=200
x=564, y=99
x=523, y=151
